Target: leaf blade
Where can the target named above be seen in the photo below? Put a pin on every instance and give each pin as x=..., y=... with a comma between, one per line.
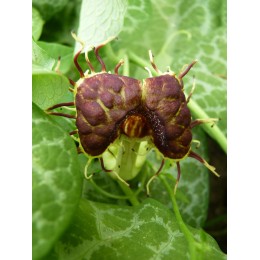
x=48, y=85
x=56, y=182
x=148, y=231
x=99, y=21
x=37, y=24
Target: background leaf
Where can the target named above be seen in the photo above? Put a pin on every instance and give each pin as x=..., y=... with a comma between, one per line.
x=48, y=86
x=100, y=20
x=56, y=182
x=56, y=50
x=44, y=81
x=40, y=58
x=48, y=8
x=37, y=24
x=148, y=231
x=58, y=28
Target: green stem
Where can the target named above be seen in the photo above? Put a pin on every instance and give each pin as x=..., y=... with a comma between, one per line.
x=141, y=183
x=169, y=40
x=183, y=227
x=127, y=158
x=107, y=194
x=126, y=161
x=115, y=58
x=141, y=62
x=129, y=193
x=126, y=69
x=214, y=132
x=111, y=54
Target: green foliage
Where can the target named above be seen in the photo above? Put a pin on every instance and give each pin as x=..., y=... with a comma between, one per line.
x=103, y=225
x=48, y=8
x=37, y=24
x=56, y=50
x=56, y=182
x=108, y=21
x=146, y=231
x=48, y=85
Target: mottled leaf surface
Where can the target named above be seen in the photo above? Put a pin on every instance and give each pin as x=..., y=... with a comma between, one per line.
x=148, y=231
x=56, y=182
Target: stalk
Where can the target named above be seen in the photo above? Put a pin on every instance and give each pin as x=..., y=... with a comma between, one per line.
x=183, y=227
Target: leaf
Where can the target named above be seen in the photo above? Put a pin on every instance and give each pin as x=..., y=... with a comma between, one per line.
x=56, y=182
x=48, y=86
x=100, y=20
x=147, y=231
x=37, y=24
x=56, y=50
x=48, y=8
x=58, y=28
x=41, y=58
